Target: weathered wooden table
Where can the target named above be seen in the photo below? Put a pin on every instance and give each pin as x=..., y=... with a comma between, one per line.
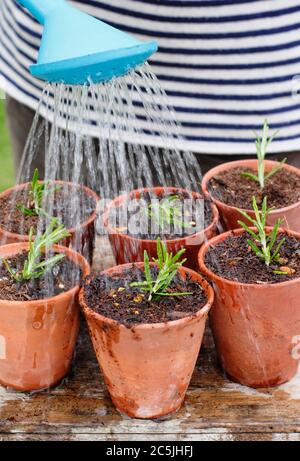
x=215, y=408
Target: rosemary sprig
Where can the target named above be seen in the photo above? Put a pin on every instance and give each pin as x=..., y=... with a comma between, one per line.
x=34, y=267
x=262, y=143
x=167, y=268
x=167, y=212
x=35, y=196
x=261, y=243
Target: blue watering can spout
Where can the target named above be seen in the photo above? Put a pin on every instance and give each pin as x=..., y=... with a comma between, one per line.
x=77, y=49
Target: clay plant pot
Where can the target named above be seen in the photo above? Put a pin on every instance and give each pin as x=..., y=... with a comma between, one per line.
x=147, y=368
x=127, y=248
x=82, y=237
x=254, y=325
x=37, y=338
x=230, y=215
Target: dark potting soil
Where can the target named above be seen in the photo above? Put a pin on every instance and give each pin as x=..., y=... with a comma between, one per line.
x=61, y=278
x=70, y=204
x=230, y=187
x=233, y=259
x=138, y=219
x=113, y=297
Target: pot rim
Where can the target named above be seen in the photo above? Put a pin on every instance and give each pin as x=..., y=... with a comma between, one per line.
x=235, y=232
x=122, y=198
x=71, y=254
x=151, y=326
x=228, y=166
x=24, y=238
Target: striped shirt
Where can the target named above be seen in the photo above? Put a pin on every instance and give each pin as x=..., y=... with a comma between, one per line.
x=225, y=65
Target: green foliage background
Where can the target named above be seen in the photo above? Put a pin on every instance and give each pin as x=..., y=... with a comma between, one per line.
x=6, y=163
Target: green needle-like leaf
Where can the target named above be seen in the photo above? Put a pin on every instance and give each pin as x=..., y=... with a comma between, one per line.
x=36, y=192
x=254, y=177
x=147, y=267
x=275, y=169
x=248, y=230
x=248, y=217
x=262, y=143
x=262, y=244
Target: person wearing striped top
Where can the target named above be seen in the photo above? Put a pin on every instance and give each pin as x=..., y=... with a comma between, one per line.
x=225, y=65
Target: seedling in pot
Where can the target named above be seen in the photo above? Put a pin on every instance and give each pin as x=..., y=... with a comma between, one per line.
x=167, y=269
x=36, y=193
x=265, y=246
x=167, y=212
x=262, y=143
x=37, y=264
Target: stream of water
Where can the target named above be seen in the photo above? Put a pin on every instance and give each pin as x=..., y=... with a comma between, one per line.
x=98, y=135
x=112, y=137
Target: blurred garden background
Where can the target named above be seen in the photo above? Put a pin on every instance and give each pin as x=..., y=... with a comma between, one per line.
x=6, y=163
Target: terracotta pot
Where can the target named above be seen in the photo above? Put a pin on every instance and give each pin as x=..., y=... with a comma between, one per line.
x=148, y=368
x=37, y=338
x=254, y=326
x=230, y=214
x=130, y=249
x=82, y=237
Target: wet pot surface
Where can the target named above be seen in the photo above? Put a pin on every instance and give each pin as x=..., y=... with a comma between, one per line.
x=283, y=192
x=38, y=337
x=130, y=248
x=147, y=367
x=254, y=324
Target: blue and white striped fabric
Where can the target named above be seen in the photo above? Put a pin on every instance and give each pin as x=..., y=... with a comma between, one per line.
x=226, y=65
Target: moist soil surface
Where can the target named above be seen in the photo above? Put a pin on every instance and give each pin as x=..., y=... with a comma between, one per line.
x=70, y=204
x=140, y=218
x=233, y=259
x=113, y=297
x=61, y=278
x=230, y=187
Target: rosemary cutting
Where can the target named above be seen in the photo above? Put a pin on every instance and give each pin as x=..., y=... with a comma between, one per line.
x=35, y=265
x=263, y=244
x=36, y=193
x=167, y=268
x=262, y=143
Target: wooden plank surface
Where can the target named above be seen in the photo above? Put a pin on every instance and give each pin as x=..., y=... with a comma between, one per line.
x=215, y=408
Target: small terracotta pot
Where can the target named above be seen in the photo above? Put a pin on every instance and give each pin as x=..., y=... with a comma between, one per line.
x=254, y=326
x=230, y=214
x=82, y=237
x=148, y=368
x=130, y=249
x=37, y=338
